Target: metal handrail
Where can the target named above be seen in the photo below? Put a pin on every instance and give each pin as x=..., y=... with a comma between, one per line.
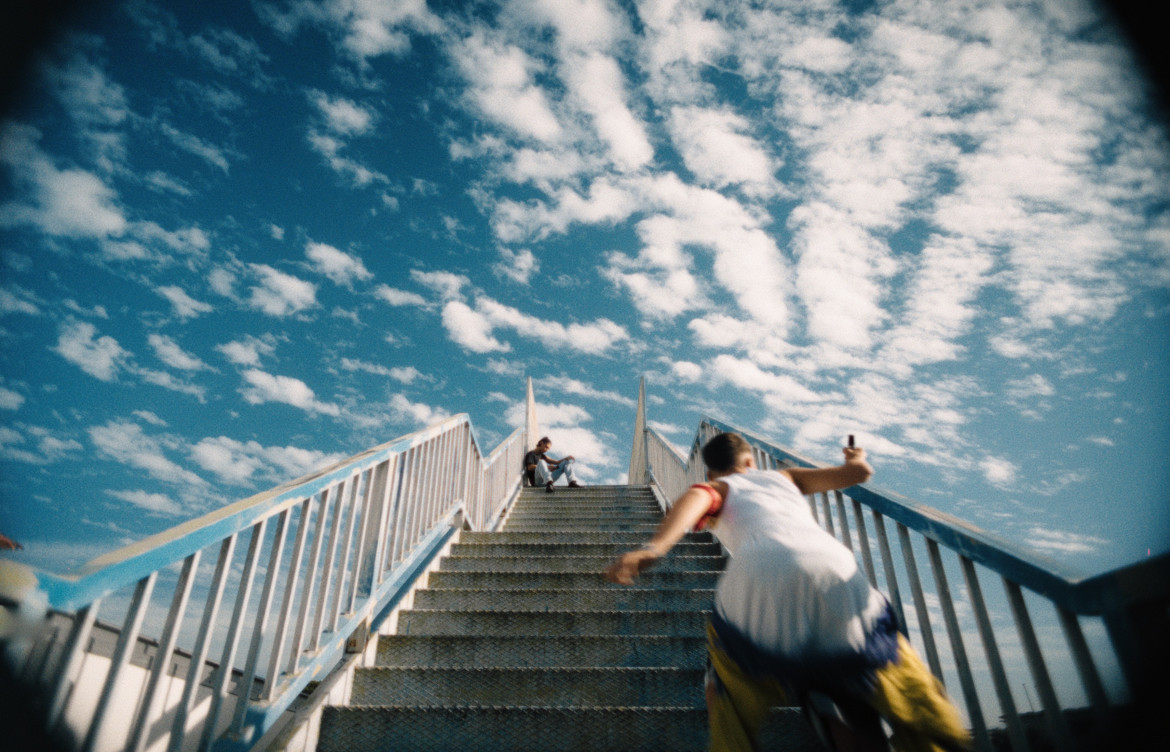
x=328, y=555
x=1131, y=601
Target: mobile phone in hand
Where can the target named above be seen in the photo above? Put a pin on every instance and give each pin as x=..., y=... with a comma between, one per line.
x=850, y=441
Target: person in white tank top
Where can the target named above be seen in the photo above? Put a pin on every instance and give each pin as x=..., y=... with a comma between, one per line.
x=794, y=619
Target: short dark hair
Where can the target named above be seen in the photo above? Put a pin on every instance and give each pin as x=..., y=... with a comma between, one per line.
x=722, y=451
x=544, y=440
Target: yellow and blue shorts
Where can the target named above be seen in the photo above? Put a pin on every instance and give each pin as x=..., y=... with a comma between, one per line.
x=901, y=691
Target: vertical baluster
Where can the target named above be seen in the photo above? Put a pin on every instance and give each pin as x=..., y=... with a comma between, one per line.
x=70, y=661
x=919, y=601
x=363, y=535
x=170, y=636
x=1007, y=705
x=411, y=483
x=1091, y=680
x=385, y=501
x=310, y=586
x=958, y=649
x=812, y=504
x=290, y=594
x=423, y=489
x=828, y=521
x=403, y=496
x=846, y=535
x=339, y=600
x=127, y=638
x=260, y=630
x=895, y=593
x=202, y=643
x=328, y=585
x=237, y=624
x=863, y=541
x=1057, y=724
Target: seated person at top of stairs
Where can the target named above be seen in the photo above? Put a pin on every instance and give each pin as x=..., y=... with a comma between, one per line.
x=543, y=470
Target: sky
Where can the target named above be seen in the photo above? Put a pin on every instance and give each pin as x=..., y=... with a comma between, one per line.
x=242, y=240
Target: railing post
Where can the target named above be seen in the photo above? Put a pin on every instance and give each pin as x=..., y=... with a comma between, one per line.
x=202, y=643
x=1057, y=724
x=919, y=601
x=162, y=656
x=127, y=638
x=1003, y=691
x=958, y=650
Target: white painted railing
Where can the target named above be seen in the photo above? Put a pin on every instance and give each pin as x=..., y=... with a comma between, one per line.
x=1123, y=613
x=236, y=640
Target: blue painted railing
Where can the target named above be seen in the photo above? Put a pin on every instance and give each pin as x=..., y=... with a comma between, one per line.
x=328, y=557
x=1125, y=611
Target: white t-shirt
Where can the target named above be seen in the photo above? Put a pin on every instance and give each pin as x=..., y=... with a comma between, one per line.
x=791, y=588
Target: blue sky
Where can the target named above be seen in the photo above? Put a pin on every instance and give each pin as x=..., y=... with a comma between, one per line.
x=239, y=240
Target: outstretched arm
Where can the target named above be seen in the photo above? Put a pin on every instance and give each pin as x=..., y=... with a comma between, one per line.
x=688, y=509
x=855, y=470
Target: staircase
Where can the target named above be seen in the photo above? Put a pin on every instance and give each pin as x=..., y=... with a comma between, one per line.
x=519, y=644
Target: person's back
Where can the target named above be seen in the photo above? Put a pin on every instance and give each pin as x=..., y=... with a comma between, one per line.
x=791, y=588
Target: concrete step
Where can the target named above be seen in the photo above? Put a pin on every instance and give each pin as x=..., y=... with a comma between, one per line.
x=537, y=729
x=495, y=651
x=654, y=579
x=539, y=687
x=554, y=517
x=631, y=540
x=598, y=599
x=553, y=623
x=644, y=529
x=574, y=549
x=518, y=643
x=577, y=564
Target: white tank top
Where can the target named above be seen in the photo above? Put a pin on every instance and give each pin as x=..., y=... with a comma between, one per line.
x=790, y=587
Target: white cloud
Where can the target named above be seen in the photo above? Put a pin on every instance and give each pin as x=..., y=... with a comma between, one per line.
x=475, y=328
x=184, y=305
x=416, y=413
x=64, y=202
x=168, y=381
x=151, y=502
x=448, y=285
x=518, y=266
x=10, y=400
x=343, y=116
x=575, y=386
x=998, y=471
x=396, y=297
x=340, y=267
x=1031, y=387
x=404, y=374
x=196, y=146
x=241, y=463
x=501, y=87
x=597, y=83
x=470, y=329
x=716, y=147
x=330, y=148
x=99, y=356
x=280, y=294
x=365, y=29
x=265, y=387
x=169, y=352
x=246, y=352
x=1064, y=542
x=128, y=444
x=11, y=302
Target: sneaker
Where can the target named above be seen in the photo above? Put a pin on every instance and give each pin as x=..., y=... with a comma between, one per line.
x=548, y=486
x=574, y=484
